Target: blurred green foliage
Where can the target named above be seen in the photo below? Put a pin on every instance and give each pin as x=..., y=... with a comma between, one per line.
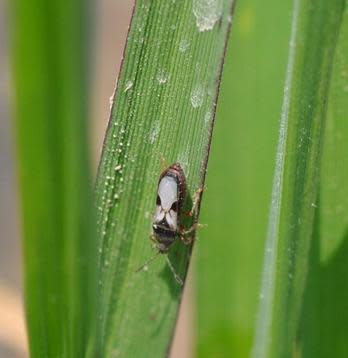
x=230, y=251
x=324, y=322
x=239, y=180
x=50, y=71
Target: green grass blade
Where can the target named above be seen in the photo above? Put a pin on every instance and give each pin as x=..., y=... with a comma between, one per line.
x=230, y=249
x=49, y=70
x=325, y=313
x=314, y=34
x=164, y=105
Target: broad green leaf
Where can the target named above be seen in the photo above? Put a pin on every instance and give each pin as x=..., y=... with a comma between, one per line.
x=325, y=313
x=315, y=29
x=50, y=104
x=163, y=106
x=239, y=180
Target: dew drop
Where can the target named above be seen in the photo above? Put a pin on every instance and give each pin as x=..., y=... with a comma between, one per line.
x=162, y=77
x=184, y=45
x=207, y=117
x=197, y=95
x=207, y=13
x=155, y=129
x=128, y=85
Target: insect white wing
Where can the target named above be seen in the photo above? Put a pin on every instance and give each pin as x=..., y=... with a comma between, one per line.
x=159, y=214
x=172, y=219
x=168, y=194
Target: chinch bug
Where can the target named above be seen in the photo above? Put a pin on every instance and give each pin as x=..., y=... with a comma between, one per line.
x=167, y=227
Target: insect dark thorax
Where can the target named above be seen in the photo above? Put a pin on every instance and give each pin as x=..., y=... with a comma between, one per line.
x=171, y=194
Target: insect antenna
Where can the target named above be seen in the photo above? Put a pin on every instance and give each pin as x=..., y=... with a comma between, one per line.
x=176, y=276
x=148, y=261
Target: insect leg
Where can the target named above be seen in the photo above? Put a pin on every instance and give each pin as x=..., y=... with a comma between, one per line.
x=153, y=238
x=196, y=199
x=176, y=276
x=142, y=267
x=187, y=236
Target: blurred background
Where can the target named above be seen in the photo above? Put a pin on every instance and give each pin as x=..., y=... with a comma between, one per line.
x=12, y=331
x=112, y=20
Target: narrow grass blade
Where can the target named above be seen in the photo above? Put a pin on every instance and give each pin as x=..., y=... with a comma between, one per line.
x=315, y=28
x=230, y=249
x=50, y=70
x=325, y=313
x=163, y=106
